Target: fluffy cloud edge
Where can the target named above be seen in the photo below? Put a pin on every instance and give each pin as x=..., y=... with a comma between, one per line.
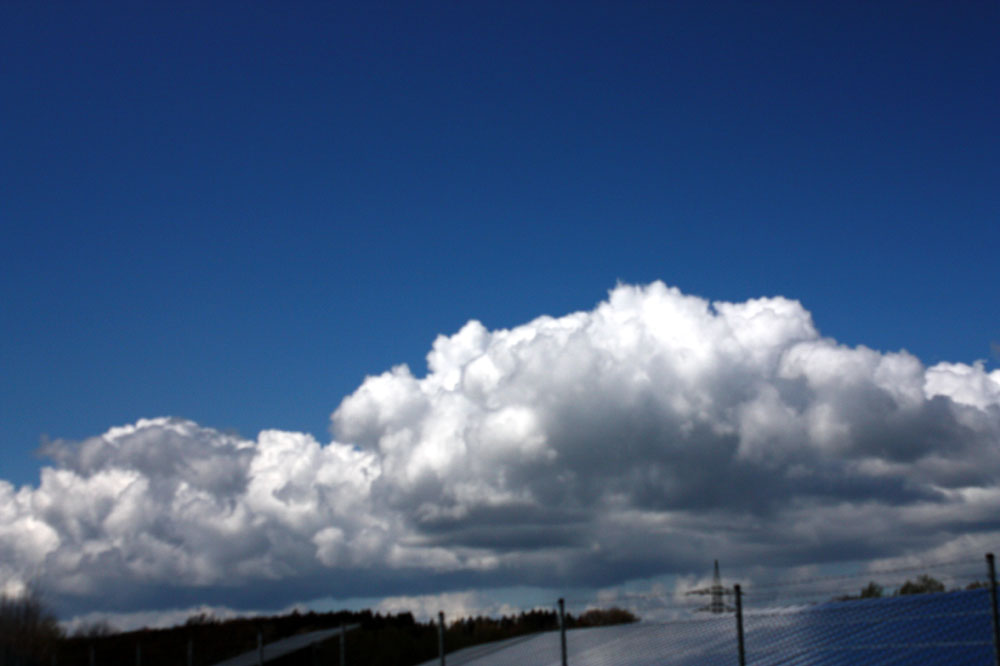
x=590, y=448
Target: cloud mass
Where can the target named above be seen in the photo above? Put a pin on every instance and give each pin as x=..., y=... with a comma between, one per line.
x=647, y=436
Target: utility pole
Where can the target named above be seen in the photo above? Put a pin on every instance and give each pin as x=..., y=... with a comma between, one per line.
x=441, y=636
x=992, y=570
x=562, y=629
x=739, y=625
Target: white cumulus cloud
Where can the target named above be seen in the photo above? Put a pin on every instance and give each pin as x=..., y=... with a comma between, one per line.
x=649, y=435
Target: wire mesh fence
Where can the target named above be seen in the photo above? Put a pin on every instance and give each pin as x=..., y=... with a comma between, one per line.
x=932, y=613
x=942, y=612
x=918, y=612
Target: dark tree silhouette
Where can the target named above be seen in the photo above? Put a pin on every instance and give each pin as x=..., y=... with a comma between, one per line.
x=923, y=585
x=29, y=633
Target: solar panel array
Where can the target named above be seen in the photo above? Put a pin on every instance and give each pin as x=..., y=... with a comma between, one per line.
x=946, y=628
x=284, y=647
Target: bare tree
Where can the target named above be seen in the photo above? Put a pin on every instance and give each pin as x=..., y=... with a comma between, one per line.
x=29, y=633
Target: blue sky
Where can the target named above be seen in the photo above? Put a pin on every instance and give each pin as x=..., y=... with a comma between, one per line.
x=235, y=213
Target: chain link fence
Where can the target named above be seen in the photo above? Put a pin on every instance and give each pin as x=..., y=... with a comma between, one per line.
x=920, y=613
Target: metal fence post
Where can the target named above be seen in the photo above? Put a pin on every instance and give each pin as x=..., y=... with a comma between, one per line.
x=991, y=566
x=190, y=652
x=441, y=636
x=739, y=626
x=260, y=648
x=138, y=654
x=562, y=629
x=343, y=648
x=91, y=654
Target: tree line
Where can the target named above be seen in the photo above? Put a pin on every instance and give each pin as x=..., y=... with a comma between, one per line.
x=31, y=636
x=924, y=584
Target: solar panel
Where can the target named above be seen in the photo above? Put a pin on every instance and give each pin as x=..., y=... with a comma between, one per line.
x=283, y=647
x=946, y=628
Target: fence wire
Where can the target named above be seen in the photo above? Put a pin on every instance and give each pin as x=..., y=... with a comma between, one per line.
x=934, y=612
x=921, y=613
